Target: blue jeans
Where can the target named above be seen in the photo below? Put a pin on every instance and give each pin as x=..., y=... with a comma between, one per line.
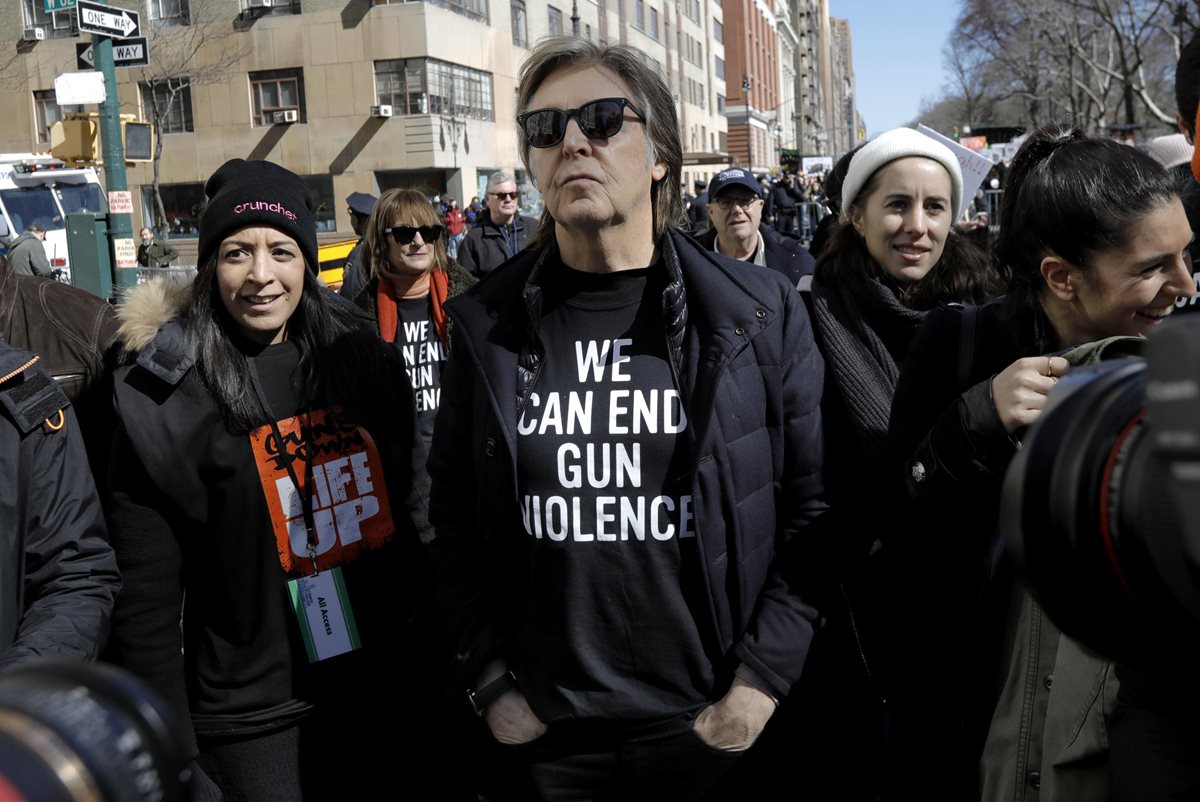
x=453, y=243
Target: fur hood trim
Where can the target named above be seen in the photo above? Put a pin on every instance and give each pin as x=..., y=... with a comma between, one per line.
x=146, y=308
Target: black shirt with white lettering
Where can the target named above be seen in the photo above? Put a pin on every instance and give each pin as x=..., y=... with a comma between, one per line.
x=424, y=357
x=604, y=486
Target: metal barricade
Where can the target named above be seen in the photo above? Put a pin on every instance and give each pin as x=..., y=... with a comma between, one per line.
x=178, y=275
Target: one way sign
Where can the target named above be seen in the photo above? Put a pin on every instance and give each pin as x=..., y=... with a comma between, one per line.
x=126, y=53
x=119, y=23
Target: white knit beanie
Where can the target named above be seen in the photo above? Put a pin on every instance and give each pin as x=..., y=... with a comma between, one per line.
x=899, y=143
x=1171, y=150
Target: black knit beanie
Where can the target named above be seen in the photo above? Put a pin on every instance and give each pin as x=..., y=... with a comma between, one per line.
x=257, y=193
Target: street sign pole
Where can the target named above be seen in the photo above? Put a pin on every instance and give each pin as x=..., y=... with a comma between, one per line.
x=120, y=225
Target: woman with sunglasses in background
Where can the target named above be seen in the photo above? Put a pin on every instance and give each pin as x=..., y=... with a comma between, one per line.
x=410, y=277
x=263, y=468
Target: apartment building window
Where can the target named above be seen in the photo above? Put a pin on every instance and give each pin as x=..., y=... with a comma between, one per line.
x=473, y=9
x=172, y=105
x=654, y=22
x=555, y=21
x=718, y=31
x=639, y=14
x=429, y=86
x=720, y=104
x=47, y=112
x=702, y=95
x=55, y=23
x=263, y=8
x=172, y=11
x=720, y=67
x=516, y=10
x=277, y=90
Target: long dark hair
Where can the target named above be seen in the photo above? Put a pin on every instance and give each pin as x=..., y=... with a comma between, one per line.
x=314, y=327
x=1073, y=196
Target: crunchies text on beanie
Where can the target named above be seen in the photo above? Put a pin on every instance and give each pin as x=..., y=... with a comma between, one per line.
x=245, y=193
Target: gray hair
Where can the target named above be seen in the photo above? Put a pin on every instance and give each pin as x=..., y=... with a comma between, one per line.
x=652, y=99
x=496, y=179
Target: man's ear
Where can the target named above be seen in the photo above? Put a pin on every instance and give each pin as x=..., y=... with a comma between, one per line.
x=1061, y=279
x=1184, y=129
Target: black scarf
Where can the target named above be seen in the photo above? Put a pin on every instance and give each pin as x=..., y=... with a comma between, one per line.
x=855, y=318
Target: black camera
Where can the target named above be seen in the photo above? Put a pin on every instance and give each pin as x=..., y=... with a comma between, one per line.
x=72, y=731
x=1099, y=506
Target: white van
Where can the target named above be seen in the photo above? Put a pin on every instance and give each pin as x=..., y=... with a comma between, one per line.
x=36, y=188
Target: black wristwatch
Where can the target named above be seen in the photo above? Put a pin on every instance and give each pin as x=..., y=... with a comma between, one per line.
x=482, y=698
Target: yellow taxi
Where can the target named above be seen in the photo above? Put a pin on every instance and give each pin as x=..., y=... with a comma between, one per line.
x=332, y=257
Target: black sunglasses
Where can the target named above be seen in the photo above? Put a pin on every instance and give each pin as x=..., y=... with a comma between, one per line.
x=505, y=195
x=599, y=119
x=405, y=234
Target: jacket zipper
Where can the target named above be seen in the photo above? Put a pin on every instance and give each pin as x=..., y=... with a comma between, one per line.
x=858, y=643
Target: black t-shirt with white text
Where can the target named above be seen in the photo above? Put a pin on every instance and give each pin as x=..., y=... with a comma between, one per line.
x=604, y=486
x=424, y=357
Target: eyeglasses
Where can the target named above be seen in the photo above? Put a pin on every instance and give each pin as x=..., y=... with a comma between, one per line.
x=505, y=195
x=405, y=234
x=728, y=203
x=600, y=119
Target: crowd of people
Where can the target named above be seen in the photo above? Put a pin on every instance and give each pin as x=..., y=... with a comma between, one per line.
x=661, y=496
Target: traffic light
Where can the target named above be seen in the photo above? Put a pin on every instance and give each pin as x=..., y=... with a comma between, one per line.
x=76, y=139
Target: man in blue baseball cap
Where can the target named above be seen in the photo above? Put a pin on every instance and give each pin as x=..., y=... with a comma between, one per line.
x=736, y=230
x=353, y=279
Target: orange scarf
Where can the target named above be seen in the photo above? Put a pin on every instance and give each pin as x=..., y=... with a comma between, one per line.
x=388, y=317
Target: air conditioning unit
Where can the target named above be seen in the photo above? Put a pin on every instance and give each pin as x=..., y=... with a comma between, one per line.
x=381, y=111
x=34, y=34
x=249, y=4
x=289, y=116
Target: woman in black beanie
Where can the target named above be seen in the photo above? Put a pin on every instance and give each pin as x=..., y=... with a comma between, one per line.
x=262, y=470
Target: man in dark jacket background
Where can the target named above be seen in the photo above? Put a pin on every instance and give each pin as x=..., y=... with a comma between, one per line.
x=735, y=211
x=354, y=276
x=152, y=253
x=26, y=253
x=500, y=233
x=782, y=201
x=697, y=212
x=630, y=629
x=58, y=575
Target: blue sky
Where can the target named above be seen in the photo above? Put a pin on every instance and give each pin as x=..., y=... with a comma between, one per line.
x=897, y=50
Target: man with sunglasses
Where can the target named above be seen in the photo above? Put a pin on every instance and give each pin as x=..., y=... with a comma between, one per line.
x=500, y=233
x=735, y=210
x=626, y=463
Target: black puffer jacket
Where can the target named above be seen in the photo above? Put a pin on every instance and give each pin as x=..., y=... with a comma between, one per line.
x=741, y=349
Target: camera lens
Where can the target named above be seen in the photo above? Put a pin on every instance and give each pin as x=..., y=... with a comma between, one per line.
x=1090, y=521
x=86, y=732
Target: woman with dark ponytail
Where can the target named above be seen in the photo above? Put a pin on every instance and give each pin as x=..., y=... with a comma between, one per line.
x=1093, y=243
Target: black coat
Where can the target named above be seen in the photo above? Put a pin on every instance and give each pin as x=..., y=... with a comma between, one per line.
x=946, y=433
x=743, y=353
x=58, y=576
x=786, y=255
x=485, y=248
